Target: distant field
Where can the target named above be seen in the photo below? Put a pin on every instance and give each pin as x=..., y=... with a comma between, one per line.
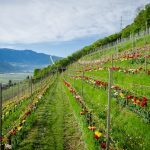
x=4, y=78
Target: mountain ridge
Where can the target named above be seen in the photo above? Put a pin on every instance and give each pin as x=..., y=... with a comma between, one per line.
x=23, y=60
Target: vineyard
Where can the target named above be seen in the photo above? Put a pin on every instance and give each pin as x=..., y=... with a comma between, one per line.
x=99, y=102
x=95, y=101
x=113, y=93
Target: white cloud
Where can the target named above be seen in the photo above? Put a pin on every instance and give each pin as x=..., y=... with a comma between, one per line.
x=33, y=21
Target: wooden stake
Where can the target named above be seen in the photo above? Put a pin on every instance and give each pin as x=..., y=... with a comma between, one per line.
x=117, y=48
x=31, y=86
x=132, y=42
x=18, y=90
x=82, y=82
x=112, y=61
x=108, y=110
x=145, y=64
x=12, y=91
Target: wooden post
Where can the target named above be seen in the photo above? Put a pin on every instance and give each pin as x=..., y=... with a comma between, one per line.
x=146, y=31
x=117, y=48
x=57, y=71
x=145, y=64
x=108, y=110
x=28, y=86
x=82, y=82
x=132, y=42
x=75, y=73
x=145, y=46
x=18, y=91
x=0, y=115
x=112, y=61
x=12, y=92
x=31, y=85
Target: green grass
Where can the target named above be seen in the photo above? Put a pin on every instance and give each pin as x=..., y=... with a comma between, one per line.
x=136, y=83
x=127, y=129
x=55, y=125
x=121, y=47
x=87, y=135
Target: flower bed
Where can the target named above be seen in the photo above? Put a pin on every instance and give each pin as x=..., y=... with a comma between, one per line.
x=98, y=134
x=125, y=98
x=24, y=123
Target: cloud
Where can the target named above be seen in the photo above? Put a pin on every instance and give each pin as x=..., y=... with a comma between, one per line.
x=34, y=21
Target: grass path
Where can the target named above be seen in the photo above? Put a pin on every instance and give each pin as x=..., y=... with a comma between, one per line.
x=55, y=127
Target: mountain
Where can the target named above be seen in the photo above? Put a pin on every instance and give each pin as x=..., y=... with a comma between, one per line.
x=23, y=60
x=6, y=68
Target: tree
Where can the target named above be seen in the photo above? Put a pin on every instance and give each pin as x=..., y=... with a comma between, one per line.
x=10, y=82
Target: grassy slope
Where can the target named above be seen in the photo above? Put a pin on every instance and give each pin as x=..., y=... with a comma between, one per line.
x=121, y=47
x=55, y=126
x=127, y=129
x=126, y=81
x=86, y=134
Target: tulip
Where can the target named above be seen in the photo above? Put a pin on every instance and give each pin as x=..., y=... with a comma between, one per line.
x=8, y=146
x=103, y=144
x=23, y=121
x=19, y=128
x=97, y=135
x=143, y=104
x=130, y=97
x=28, y=113
x=121, y=95
x=82, y=113
x=145, y=99
x=92, y=128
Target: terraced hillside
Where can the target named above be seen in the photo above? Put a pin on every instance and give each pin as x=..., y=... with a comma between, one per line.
x=98, y=98
x=130, y=94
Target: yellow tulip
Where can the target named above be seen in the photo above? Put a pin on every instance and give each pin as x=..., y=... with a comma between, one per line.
x=98, y=134
x=121, y=95
x=23, y=121
x=19, y=128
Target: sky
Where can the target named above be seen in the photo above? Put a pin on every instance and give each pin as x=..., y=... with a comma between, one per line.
x=60, y=27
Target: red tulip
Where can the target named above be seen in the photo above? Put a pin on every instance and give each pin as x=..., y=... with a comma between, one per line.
x=134, y=100
x=97, y=82
x=28, y=113
x=82, y=113
x=96, y=137
x=145, y=99
x=103, y=145
x=143, y=104
x=130, y=97
x=92, y=128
